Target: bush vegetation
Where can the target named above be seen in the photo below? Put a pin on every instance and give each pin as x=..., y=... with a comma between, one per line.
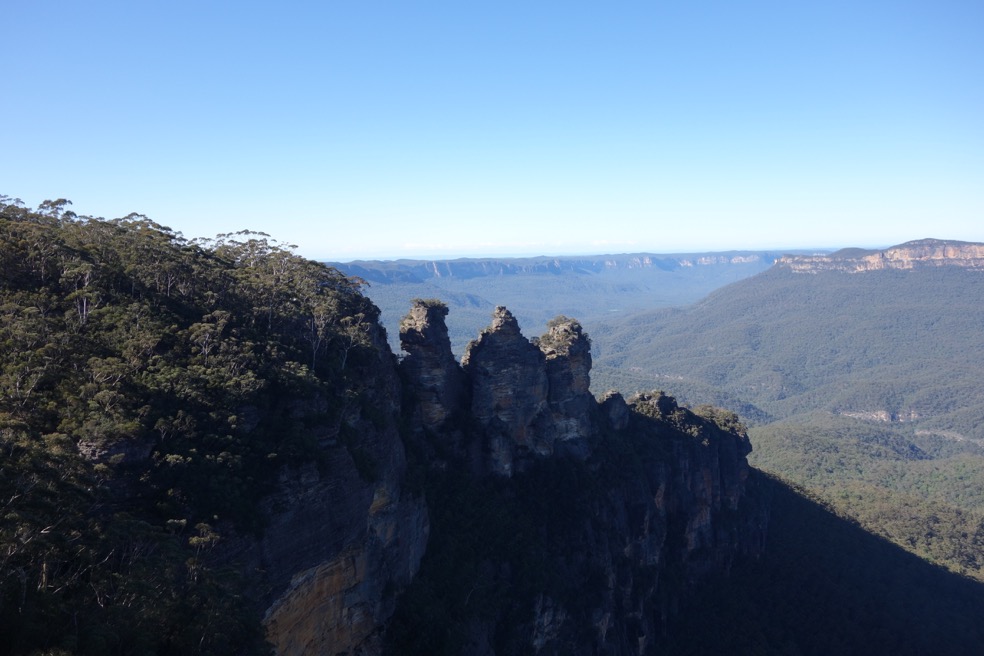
x=146, y=390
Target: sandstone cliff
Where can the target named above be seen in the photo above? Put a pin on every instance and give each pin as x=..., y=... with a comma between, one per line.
x=584, y=523
x=908, y=256
x=344, y=536
x=533, y=517
x=468, y=268
x=430, y=363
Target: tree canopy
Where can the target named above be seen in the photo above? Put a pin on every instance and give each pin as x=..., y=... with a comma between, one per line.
x=146, y=383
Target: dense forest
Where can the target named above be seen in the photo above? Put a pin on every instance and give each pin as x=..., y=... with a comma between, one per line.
x=143, y=414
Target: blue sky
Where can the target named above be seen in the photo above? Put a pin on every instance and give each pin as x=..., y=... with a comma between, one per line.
x=443, y=129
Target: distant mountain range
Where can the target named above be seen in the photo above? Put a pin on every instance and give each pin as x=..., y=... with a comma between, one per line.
x=384, y=271
x=536, y=289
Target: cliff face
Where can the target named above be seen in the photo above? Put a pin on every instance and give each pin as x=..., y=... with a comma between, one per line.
x=528, y=397
x=344, y=537
x=568, y=362
x=508, y=381
x=911, y=255
x=561, y=524
x=619, y=507
x=430, y=363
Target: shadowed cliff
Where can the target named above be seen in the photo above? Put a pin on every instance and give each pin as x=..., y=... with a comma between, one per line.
x=823, y=585
x=560, y=524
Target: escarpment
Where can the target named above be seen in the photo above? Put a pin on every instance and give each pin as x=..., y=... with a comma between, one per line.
x=583, y=523
x=345, y=537
x=919, y=254
x=215, y=448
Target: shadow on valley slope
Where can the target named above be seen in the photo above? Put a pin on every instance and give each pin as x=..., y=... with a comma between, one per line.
x=826, y=586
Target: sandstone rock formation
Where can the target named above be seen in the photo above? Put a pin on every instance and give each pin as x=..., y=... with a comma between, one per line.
x=438, y=380
x=911, y=255
x=508, y=380
x=528, y=397
x=615, y=410
x=567, y=350
x=668, y=505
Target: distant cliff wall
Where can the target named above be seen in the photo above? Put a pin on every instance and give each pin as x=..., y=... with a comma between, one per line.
x=465, y=268
x=910, y=255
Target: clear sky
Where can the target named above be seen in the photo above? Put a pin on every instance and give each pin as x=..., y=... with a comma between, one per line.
x=366, y=129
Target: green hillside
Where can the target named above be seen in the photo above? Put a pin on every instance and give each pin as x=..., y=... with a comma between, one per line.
x=863, y=387
x=906, y=346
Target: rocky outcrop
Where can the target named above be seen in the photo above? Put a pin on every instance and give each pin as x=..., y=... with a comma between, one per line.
x=615, y=410
x=707, y=479
x=527, y=396
x=508, y=380
x=677, y=515
x=637, y=502
x=531, y=397
x=884, y=416
x=429, y=362
x=923, y=253
x=567, y=350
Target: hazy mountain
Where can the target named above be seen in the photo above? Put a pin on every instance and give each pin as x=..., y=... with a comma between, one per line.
x=536, y=289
